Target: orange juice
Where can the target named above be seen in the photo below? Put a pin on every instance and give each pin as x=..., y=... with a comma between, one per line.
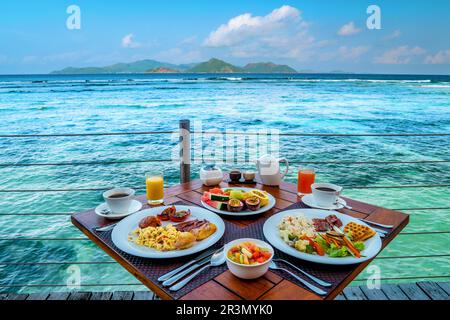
x=306, y=178
x=155, y=189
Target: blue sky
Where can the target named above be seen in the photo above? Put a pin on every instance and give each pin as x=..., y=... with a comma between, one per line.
x=314, y=35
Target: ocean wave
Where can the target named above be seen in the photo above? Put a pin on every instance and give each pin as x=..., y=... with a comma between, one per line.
x=437, y=86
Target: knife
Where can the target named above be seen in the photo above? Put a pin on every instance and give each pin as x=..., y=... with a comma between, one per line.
x=106, y=228
x=377, y=224
x=184, y=266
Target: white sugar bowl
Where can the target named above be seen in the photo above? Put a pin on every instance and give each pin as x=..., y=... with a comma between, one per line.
x=211, y=175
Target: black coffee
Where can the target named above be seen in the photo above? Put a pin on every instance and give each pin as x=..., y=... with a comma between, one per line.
x=118, y=195
x=326, y=189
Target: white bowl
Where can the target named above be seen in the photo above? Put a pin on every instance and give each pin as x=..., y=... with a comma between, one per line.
x=244, y=271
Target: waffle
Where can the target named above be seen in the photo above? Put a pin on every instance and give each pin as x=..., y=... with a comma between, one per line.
x=359, y=232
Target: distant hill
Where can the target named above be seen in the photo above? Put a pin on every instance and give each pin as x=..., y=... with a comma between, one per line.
x=162, y=70
x=132, y=67
x=152, y=66
x=215, y=66
x=268, y=67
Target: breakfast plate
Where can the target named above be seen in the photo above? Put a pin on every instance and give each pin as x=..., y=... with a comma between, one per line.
x=103, y=210
x=124, y=238
x=274, y=230
x=218, y=203
x=308, y=199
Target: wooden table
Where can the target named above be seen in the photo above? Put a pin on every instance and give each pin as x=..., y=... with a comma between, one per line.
x=226, y=286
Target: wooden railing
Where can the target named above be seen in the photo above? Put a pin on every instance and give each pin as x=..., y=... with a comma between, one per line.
x=185, y=174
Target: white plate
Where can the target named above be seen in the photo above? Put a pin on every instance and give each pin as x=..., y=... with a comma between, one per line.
x=309, y=201
x=269, y=206
x=373, y=245
x=126, y=226
x=134, y=207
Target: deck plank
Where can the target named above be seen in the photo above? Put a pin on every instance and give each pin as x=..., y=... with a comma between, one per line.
x=433, y=290
x=354, y=293
x=405, y=291
x=393, y=292
x=38, y=296
x=373, y=294
x=122, y=295
x=444, y=286
x=413, y=291
x=79, y=295
x=17, y=296
x=101, y=296
x=143, y=295
x=58, y=296
x=249, y=290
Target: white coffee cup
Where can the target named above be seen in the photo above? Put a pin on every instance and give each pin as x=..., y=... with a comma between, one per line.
x=325, y=194
x=119, y=199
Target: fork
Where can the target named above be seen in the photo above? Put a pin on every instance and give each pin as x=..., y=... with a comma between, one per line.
x=312, y=287
x=313, y=278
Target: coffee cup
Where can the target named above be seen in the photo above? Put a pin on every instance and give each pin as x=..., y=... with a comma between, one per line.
x=119, y=199
x=325, y=194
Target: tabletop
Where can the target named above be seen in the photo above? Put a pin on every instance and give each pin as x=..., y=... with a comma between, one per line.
x=225, y=286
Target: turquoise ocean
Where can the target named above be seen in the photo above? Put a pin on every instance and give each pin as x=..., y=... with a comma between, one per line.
x=38, y=243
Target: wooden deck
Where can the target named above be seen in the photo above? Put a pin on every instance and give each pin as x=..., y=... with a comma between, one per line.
x=405, y=291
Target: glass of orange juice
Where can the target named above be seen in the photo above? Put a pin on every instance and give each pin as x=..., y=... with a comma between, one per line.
x=154, y=182
x=306, y=177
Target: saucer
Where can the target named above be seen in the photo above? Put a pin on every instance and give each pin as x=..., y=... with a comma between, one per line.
x=309, y=201
x=134, y=207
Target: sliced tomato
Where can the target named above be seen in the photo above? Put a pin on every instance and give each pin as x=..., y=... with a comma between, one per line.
x=165, y=214
x=179, y=216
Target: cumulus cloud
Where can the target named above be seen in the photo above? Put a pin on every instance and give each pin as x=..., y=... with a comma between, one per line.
x=441, y=57
x=399, y=55
x=393, y=35
x=344, y=53
x=281, y=33
x=348, y=29
x=351, y=53
x=128, y=41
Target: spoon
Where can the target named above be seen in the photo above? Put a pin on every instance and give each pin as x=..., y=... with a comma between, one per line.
x=319, y=291
x=217, y=259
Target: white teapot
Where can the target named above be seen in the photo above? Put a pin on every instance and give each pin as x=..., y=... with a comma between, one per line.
x=269, y=170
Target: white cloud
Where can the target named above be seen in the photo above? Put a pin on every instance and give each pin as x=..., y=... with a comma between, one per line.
x=343, y=53
x=348, y=29
x=351, y=53
x=281, y=33
x=241, y=27
x=189, y=40
x=393, y=35
x=399, y=55
x=128, y=42
x=441, y=57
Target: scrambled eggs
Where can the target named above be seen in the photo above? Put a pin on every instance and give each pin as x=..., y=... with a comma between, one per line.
x=159, y=238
